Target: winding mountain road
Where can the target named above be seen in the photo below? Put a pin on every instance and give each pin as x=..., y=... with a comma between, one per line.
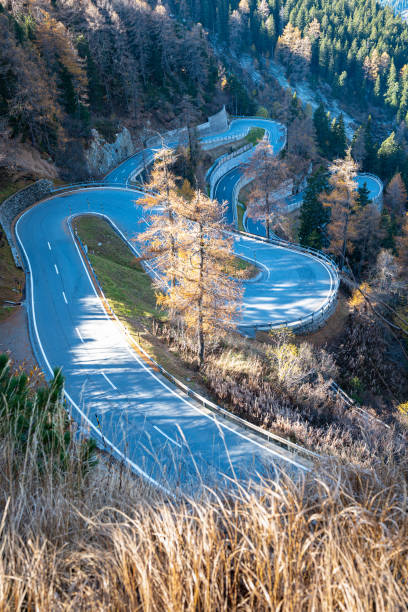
x=133, y=410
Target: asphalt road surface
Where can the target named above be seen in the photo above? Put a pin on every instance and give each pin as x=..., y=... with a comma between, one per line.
x=163, y=434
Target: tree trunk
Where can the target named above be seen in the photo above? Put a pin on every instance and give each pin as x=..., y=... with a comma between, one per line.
x=267, y=223
x=171, y=219
x=201, y=341
x=343, y=250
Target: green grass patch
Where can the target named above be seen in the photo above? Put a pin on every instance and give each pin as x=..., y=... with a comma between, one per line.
x=241, y=208
x=125, y=283
x=255, y=135
x=130, y=293
x=242, y=269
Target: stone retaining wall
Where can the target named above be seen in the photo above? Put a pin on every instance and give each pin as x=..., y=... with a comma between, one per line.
x=216, y=123
x=16, y=203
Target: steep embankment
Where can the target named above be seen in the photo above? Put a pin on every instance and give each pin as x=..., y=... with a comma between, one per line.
x=65, y=71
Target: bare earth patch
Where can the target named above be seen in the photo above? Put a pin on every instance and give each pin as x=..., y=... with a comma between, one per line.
x=333, y=328
x=325, y=336
x=15, y=340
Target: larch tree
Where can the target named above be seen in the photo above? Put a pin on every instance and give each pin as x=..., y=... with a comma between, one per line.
x=268, y=174
x=161, y=240
x=402, y=246
x=205, y=298
x=365, y=233
x=396, y=195
x=341, y=200
x=294, y=51
x=386, y=274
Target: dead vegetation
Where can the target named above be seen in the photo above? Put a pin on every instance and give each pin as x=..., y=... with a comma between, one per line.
x=287, y=388
x=103, y=540
x=282, y=383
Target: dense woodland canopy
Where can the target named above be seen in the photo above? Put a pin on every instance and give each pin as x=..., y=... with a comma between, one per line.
x=357, y=46
x=65, y=66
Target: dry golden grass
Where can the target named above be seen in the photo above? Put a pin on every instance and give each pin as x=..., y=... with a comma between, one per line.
x=105, y=541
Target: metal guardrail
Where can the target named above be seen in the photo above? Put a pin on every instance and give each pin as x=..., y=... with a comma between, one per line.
x=315, y=317
x=352, y=404
x=203, y=401
x=93, y=184
x=233, y=160
x=222, y=139
x=226, y=157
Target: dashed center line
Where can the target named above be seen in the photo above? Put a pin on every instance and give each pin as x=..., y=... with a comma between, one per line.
x=56, y=269
x=65, y=297
x=79, y=335
x=49, y=246
x=166, y=436
x=109, y=381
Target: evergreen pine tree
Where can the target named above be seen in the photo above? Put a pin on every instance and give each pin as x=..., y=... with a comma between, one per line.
x=358, y=150
x=377, y=88
x=389, y=157
x=322, y=127
x=313, y=215
x=341, y=200
x=338, y=137
x=363, y=196
x=294, y=108
x=369, y=163
x=403, y=104
x=391, y=95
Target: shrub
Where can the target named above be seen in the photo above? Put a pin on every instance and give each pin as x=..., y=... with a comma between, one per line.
x=37, y=422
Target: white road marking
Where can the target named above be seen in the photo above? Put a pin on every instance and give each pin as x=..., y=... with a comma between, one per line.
x=65, y=297
x=210, y=416
x=56, y=269
x=79, y=335
x=109, y=381
x=49, y=246
x=166, y=436
x=94, y=428
x=85, y=417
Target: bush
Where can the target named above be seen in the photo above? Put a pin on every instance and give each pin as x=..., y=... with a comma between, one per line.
x=262, y=112
x=37, y=422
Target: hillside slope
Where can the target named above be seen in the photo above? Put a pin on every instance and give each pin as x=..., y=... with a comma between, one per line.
x=67, y=67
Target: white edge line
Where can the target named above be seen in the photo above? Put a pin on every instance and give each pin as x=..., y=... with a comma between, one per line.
x=96, y=431
x=166, y=436
x=109, y=381
x=210, y=416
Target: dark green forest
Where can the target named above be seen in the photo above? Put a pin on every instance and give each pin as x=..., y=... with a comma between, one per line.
x=64, y=70
x=358, y=47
